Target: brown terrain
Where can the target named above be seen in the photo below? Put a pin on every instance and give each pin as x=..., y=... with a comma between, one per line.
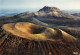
x=25, y=38
x=45, y=32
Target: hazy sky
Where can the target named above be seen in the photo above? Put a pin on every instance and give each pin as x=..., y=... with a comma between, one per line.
x=36, y=4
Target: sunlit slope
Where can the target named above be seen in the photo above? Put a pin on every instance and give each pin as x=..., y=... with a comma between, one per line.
x=39, y=33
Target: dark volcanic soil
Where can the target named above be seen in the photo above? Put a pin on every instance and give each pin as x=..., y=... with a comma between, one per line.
x=13, y=45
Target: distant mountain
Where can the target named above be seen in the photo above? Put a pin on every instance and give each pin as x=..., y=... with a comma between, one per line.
x=76, y=14
x=71, y=11
x=8, y=12
x=47, y=11
x=12, y=12
x=49, y=15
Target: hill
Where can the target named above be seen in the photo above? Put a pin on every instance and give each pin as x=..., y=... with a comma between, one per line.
x=48, y=15
x=48, y=31
x=52, y=15
x=24, y=38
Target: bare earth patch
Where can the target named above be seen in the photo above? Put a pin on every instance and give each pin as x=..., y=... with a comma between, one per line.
x=35, y=32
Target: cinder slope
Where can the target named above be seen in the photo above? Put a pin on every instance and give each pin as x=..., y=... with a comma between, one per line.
x=35, y=32
x=24, y=38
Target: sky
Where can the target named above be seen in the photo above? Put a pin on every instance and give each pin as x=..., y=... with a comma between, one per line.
x=37, y=4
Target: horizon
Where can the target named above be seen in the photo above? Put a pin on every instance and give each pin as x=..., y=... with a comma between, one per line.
x=38, y=4
x=20, y=10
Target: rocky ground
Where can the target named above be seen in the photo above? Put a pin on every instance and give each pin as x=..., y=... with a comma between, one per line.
x=17, y=38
